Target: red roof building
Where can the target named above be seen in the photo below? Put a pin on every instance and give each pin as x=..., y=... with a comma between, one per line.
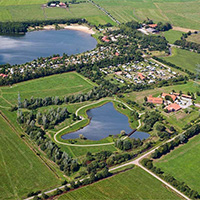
x=171, y=95
x=173, y=107
x=141, y=76
x=3, y=75
x=105, y=39
x=154, y=100
x=152, y=25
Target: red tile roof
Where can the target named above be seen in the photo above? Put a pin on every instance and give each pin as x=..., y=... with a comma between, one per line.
x=171, y=95
x=142, y=77
x=105, y=39
x=154, y=100
x=173, y=107
x=153, y=25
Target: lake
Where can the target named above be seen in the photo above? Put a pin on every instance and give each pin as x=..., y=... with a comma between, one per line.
x=105, y=121
x=22, y=49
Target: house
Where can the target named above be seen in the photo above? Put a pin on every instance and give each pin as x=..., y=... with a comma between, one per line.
x=141, y=76
x=173, y=107
x=186, y=96
x=152, y=25
x=61, y=4
x=154, y=100
x=119, y=73
x=171, y=95
x=105, y=39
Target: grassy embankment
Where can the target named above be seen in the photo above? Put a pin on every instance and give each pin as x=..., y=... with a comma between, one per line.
x=21, y=10
x=185, y=59
x=183, y=163
x=132, y=184
x=179, y=13
x=21, y=171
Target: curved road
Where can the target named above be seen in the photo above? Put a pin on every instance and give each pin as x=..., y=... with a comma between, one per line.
x=92, y=145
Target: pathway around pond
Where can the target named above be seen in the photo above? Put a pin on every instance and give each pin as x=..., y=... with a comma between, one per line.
x=93, y=145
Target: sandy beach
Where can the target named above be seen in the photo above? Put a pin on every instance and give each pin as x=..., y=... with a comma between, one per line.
x=71, y=27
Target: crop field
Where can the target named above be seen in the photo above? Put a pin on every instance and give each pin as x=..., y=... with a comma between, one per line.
x=55, y=85
x=185, y=59
x=194, y=38
x=23, y=11
x=20, y=170
x=179, y=13
x=183, y=163
x=132, y=184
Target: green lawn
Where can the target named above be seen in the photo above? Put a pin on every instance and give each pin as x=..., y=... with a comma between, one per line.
x=183, y=163
x=172, y=35
x=185, y=59
x=16, y=10
x=132, y=184
x=56, y=85
x=20, y=170
x=183, y=13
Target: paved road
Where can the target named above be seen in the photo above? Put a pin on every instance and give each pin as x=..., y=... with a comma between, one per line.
x=92, y=145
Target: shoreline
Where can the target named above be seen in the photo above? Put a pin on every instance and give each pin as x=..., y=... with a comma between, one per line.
x=75, y=27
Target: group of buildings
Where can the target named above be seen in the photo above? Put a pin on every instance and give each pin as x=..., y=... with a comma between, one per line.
x=173, y=102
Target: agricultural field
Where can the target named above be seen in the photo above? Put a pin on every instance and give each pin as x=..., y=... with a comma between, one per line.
x=20, y=11
x=20, y=170
x=179, y=13
x=132, y=184
x=183, y=163
x=185, y=59
x=56, y=85
x=194, y=38
x=172, y=35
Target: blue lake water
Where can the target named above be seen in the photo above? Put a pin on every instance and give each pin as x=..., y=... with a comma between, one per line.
x=105, y=121
x=22, y=49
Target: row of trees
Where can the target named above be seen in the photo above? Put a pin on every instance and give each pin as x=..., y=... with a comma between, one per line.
x=22, y=27
x=192, y=75
x=166, y=148
x=53, y=152
x=188, y=45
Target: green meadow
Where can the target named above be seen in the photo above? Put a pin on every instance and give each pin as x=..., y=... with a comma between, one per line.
x=56, y=85
x=183, y=163
x=16, y=10
x=132, y=184
x=179, y=13
x=172, y=35
x=185, y=59
x=20, y=170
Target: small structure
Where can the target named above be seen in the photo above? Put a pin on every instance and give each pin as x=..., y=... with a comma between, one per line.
x=173, y=107
x=105, y=39
x=141, y=76
x=152, y=25
x=154, y=100
x=3, y=75
x=151, y=30
x=186, y=96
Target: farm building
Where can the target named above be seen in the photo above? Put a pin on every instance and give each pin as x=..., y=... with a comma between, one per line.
x=173, y=107
x=154, y=100
x=171, y=95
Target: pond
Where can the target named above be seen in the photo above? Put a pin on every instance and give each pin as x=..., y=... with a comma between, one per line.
x=22, y=49
x=105, y=121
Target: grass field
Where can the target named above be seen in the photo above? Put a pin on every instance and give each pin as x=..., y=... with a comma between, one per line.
x=20, y=170
x=172, y=35
x=179, y=13
x=56, y=85
x=16, y=10
x=183, y=163
x=185, y=59
x=194, y=38
x=132, y=184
